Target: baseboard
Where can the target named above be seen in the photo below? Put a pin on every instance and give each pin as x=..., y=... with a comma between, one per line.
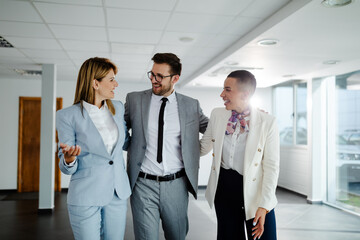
x=45, y=211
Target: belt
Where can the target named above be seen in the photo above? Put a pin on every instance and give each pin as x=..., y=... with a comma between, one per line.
x=169, y=177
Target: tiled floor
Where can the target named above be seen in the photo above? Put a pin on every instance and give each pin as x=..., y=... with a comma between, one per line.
x=295, y=220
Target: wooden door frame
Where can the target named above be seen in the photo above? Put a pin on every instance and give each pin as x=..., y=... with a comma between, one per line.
x=20, y=132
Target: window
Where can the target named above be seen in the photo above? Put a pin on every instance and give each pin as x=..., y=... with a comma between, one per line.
x=345, y=172
x=290, y=103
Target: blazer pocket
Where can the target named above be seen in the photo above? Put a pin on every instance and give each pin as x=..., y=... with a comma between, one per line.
x=81, y=174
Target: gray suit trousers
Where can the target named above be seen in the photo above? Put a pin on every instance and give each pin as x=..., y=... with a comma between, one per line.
x=152, y=201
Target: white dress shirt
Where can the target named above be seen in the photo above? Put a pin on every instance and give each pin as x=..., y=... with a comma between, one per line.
x=234, y=150
x=104, y=123
x=172, y=158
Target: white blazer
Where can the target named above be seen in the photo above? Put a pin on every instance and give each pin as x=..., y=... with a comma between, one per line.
x=261, y=161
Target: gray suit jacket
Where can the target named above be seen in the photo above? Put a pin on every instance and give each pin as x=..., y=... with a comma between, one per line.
x=192, y=121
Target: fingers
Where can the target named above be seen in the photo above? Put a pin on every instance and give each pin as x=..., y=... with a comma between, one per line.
x=70, y=151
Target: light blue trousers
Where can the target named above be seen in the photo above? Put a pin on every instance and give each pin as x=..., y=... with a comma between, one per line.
x=94, y=222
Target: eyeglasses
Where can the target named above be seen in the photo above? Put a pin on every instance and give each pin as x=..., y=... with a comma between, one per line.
x=158, y=77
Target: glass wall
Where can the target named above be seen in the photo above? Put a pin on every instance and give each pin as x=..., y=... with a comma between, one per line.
x=346, y=169
x=290, y=106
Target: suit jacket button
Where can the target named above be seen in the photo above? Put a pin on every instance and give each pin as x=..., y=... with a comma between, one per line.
x=139, y=164
x=254, y=179
x=111, y=162
x=144, y=147
x=259, y=149
x=213, y=154
x=214, y=168
x=213, y=140
x=256, y=164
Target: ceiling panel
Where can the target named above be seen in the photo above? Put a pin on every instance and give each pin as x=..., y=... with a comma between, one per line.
x=224, y=7
x=83, y=55
x=79, y=32
x=58, y=62
x=71, y=14
x=134, y=36
x=198, y=23
x=241, y=25
x=77, y=2
x=159, y=5
x=22, y=29
x=15, y=60
x=52, y=54
x=132, y=48
x=24, y=11
x=85, y=45
x=34, y=43
x=131, y=58
x=10, y=52
x=263, y=9
x=137, y=19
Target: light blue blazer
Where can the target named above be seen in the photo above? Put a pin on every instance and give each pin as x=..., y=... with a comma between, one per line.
x=96, y=173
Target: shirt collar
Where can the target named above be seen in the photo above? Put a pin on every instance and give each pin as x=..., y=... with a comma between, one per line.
x=171, y=98
x=91, y=107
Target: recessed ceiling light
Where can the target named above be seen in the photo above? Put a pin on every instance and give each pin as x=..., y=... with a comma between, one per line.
x=186, y=39
x=288, y=75
x=267, y=42
x=231, y=63
x=331, y=62
x=335, y=3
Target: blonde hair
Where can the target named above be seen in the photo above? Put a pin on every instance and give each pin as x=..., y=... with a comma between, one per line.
x=93, y=68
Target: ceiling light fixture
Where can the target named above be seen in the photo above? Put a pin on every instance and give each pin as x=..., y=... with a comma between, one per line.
x=24, y=72
x=288, y=75
x=231, y=63
x=186, y=39
x=268, y=42
x=4, y=43
x=331, y=62
x=335, y=3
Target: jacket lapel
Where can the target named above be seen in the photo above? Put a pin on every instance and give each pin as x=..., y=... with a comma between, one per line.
x=120, y=126
x=252, y=139
x=220, y=133
x=145, y=107
x=182, y=115
x=99, y=146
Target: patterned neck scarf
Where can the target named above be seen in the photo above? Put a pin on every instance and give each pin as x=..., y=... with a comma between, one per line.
x=242, y=118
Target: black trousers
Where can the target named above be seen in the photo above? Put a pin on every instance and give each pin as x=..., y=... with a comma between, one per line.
x=230, y=212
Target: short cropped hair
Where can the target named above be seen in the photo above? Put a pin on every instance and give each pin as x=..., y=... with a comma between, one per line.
x=244, y=77
x=171, y=59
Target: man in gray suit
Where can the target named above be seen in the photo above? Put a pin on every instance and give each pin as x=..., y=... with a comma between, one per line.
x=163, y=157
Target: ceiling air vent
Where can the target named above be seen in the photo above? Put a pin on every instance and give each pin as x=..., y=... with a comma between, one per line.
x=4, y=43
x=23, y=72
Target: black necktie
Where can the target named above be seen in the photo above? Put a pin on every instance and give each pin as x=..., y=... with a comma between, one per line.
x=161, y=130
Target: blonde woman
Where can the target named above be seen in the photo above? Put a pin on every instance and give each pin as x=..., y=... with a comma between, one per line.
x=245, y=169
x=92, y=134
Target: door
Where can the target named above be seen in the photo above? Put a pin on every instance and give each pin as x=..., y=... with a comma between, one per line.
x=29, y=145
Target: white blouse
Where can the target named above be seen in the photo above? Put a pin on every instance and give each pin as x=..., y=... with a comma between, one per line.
x=104, y=123
x=233, y=152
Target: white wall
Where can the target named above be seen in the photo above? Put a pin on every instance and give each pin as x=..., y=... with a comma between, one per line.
x=12, y=89
x=294, y=169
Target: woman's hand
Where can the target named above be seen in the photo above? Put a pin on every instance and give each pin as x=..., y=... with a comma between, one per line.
x=70, y=153
x=259, y=221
